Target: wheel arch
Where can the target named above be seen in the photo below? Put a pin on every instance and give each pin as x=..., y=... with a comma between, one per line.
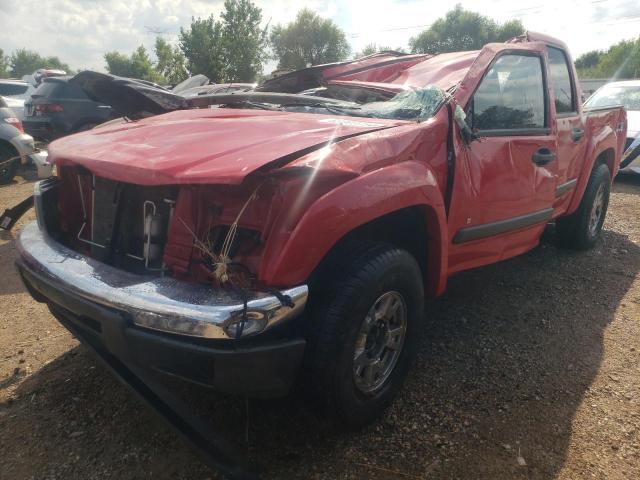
x=401, y=204
x=9, y=145
x=604, y=153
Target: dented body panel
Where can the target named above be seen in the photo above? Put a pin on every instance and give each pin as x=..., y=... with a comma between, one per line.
x=207, y=146
x=321, y=176
x=296, y=183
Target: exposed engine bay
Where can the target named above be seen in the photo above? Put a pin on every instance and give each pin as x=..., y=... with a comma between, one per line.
x=198, y=233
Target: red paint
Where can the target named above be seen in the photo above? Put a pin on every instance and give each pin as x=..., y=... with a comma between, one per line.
x=311, y=198
x=202, y=146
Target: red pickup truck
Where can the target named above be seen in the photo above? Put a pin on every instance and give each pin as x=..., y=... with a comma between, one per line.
x=292, y=233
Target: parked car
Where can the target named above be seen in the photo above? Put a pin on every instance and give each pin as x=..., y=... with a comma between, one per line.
x=15, y=92
x=191, y=82
x=627, y=94
x=13, y=88
x=17, y=147
x=43, y=73
x=58, y=108
x=286, y=238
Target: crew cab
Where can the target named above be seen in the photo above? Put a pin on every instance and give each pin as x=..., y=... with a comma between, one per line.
x=255, y=240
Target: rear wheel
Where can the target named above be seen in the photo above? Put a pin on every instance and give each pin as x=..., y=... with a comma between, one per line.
x=8, y=163
x=364, y=332
x=581, y=229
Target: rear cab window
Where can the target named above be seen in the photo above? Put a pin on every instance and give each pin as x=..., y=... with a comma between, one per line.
x=511, y=98
x=561, y=82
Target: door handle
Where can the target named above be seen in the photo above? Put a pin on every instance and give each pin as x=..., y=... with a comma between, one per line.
x=543, y=156
x=577, y=134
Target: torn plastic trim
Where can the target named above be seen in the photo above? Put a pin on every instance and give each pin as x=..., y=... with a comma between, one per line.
x=157, y=303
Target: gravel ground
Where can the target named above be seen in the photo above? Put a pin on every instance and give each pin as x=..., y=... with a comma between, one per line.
x=529, y=369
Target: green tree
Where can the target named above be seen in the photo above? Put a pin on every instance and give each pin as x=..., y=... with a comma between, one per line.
x=171, y=62
x=589, y=59
x=243, y=40
x=461, y=30
x=137, y=65
x=229, y=49
x=308, y=40
x=374, y=48
x=621, y=60
x=4, y=65
x=25, y=62
x=202, y=47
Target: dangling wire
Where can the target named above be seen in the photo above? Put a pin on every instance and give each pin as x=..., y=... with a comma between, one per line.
x=221, y=266
x=222, y=259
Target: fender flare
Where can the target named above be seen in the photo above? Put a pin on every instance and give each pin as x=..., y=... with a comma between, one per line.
x=605, y=140
x=356, y=203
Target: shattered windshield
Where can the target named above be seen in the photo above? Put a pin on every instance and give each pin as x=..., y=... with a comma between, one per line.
x=608, y=96
x=412, y=104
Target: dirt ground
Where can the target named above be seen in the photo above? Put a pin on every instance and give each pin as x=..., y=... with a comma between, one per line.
x=529, y=369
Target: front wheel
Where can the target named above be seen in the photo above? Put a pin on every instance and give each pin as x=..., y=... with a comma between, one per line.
x=581, y=229
x=365, y=325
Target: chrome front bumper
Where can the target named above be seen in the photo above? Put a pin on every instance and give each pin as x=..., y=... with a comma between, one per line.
x=157, y=303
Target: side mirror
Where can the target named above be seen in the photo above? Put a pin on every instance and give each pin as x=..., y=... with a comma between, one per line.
x=461, y=119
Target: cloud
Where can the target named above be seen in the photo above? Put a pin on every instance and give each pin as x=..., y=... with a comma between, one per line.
x=81, y=31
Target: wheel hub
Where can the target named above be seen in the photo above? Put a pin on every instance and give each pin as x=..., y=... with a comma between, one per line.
x=379, y=342
x=597, y=209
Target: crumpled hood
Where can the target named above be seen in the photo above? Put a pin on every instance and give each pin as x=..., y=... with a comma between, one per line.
x=216, y=145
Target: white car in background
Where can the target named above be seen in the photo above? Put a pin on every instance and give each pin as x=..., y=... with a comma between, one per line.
x=627, y=94
x=15, y=93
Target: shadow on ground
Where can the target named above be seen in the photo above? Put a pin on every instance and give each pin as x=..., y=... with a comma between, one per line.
x=28, y=175
x=627, y=183
x=509, y=354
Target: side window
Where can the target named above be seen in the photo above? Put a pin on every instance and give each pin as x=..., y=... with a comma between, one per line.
x=511, y=95
x=561, y=81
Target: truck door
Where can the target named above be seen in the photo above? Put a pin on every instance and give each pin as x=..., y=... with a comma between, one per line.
x=569, y=126
x=505, y=183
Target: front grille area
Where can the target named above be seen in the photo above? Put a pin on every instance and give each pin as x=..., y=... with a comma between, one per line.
x=120, y=224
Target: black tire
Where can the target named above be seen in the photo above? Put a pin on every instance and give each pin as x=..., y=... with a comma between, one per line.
x=580, y=230
x=337, y=316
x=8, y=170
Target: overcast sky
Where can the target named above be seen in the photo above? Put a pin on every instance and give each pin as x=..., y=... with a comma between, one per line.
x=81, y=31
